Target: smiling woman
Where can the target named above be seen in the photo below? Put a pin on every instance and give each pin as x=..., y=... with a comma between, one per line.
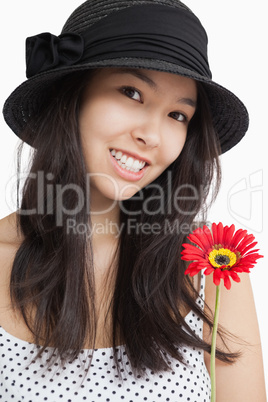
x=129, y=113
x=126, y=127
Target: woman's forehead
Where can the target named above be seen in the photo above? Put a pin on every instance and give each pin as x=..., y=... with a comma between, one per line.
x=156, y=80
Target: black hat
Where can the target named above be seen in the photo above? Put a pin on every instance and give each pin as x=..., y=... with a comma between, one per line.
x=162, y=35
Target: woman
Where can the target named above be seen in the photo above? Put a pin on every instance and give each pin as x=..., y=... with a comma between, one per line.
x=127, y=127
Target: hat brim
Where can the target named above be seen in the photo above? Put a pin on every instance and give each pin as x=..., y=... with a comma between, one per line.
x=230, y=116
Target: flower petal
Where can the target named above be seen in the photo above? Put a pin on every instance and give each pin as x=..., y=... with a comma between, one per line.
x=193, y=269
x=214, y=233
x=227, y=282
x=244, y=268
x=234, y=276
x=208, y=236
x=209, y=271
x=192, y=257
x=198, y=237
x=217, y=232
x=237, y=237
x=191, y=247
x=251, y=258
x=249, y=247
x=217, y=276
x=191, y=252
x=245, y=242
x=228, y=234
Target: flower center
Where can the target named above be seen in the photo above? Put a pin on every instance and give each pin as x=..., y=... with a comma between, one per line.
x=222, y=257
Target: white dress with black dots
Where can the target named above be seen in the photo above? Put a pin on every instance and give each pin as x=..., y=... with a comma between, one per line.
x=21, y=382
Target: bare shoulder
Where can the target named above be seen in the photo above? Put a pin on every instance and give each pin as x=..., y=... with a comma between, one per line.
x=10, y=240
x=237, y=307
x=9, y=244
x=238, y=316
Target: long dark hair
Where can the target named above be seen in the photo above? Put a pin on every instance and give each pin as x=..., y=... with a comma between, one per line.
x=52, y=280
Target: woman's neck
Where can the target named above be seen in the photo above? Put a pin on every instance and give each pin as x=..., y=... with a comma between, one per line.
x=105, y=217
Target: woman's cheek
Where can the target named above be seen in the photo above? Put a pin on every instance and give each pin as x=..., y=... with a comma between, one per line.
x=174, y=148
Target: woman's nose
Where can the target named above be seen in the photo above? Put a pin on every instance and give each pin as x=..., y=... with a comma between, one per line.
x=147, y=133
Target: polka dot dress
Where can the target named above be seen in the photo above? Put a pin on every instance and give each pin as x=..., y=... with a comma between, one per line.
x=21, y=382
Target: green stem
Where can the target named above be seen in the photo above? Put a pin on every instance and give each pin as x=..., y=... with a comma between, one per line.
x=213, y=345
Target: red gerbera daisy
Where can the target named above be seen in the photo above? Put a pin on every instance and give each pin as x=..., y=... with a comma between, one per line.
x=223, y=252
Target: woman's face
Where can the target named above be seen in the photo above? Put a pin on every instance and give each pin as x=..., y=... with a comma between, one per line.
x=133, y=125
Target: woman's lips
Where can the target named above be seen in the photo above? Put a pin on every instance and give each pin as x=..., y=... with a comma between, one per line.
x=132, y=154
x=127, y=174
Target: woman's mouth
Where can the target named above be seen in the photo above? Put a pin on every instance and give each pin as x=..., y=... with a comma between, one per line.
x=127, y=166
x=127, y=162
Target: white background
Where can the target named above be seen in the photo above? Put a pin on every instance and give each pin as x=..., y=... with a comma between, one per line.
x=238, y=60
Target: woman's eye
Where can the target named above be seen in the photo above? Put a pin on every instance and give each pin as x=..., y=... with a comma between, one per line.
x=178, y=116
x=132, y=93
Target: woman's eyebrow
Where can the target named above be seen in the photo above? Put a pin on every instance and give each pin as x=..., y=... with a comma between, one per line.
x=152, y=84
x=187, y=101
x=137, y=74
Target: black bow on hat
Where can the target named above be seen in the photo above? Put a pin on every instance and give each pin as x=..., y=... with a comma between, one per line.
x=46, y=51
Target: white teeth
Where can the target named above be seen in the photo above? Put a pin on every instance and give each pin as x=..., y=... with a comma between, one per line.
x=118, y=155
x=136, y=164
x=128, y=163
x=124, y=159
